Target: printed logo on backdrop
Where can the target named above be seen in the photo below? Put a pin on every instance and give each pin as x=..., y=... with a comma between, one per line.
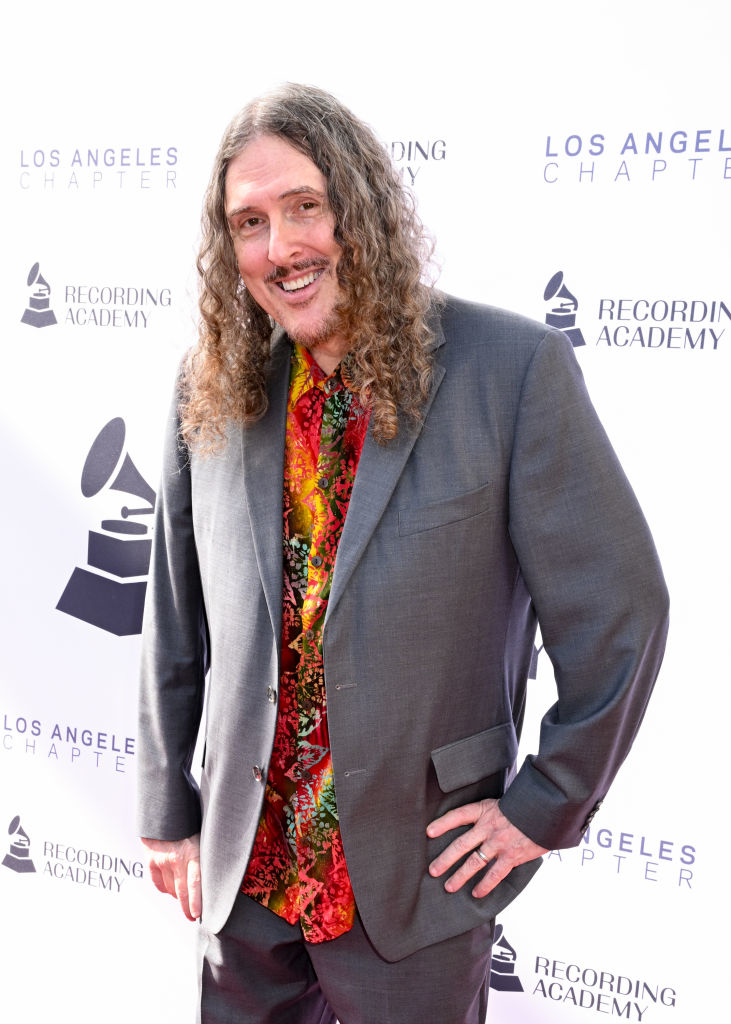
x=562, y=306
x=18, y=857
x=38, y=312
x=94, y=305
x=629, y=856
x=71, y=863
x=60, y=743
x=651, y=323
x=502, y=973
x=110, y=592
x=584, y=987
x=638, y=155
x=659, y=323
x=98, y=169
x=412, y=156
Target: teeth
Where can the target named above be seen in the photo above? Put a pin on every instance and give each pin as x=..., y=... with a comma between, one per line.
x=301, y=282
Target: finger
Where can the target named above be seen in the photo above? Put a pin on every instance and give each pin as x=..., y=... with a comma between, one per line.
x=156, y=876
x=492, y=878
x=473, y=865
x=457, y=849
x=169, y=877
x=194, y=889
x=465, y=815
x=181, y=889
x=162, y=878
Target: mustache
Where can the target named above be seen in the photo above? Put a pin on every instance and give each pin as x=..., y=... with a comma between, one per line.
x=279, y=273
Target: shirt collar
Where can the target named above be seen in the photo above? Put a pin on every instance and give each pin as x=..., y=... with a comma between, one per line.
x=308, y=374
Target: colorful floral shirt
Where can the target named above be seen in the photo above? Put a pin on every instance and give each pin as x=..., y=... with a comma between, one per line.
x=297, y=867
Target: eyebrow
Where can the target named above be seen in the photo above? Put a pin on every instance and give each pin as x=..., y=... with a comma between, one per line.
x=299, y=190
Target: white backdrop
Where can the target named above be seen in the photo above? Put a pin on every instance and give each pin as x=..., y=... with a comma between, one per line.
x=591, y=139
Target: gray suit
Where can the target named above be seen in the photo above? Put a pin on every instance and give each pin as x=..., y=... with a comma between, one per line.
x=505, y=505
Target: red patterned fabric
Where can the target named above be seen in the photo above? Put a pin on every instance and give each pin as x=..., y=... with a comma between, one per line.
x=297, y=867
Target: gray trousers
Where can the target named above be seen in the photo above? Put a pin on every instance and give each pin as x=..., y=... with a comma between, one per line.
x=259, y=970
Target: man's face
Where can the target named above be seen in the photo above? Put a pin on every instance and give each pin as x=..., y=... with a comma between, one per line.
x=283, y=236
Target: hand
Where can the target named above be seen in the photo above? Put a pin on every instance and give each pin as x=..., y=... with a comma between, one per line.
x=501, y=843
x=175, y=868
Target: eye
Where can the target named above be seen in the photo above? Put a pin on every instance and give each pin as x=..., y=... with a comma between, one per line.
x=247, y=226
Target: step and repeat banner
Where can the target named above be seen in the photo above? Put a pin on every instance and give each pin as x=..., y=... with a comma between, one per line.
x=573, y=162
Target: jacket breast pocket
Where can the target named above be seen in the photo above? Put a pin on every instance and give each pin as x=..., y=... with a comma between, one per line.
x=475, y=757
x=441, y=513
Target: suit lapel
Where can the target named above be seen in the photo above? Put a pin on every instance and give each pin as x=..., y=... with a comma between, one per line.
x=379, y=469
x=262, y=450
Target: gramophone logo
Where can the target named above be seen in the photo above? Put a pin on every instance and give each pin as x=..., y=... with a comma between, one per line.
x=18, y=856
x=113, y=599
x=502, y=974
x=38, y=312
x=562, y=311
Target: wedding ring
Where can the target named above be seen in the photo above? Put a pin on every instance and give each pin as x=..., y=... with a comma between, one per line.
x=482, y=856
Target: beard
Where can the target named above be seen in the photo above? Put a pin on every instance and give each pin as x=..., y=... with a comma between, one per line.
x=317, y=334
x=313, y=335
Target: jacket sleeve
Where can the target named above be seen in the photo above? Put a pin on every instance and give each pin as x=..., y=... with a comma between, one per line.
x=592, y=571
x=174, y=658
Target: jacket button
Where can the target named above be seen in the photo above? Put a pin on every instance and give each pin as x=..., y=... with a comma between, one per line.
x=271, y=695
x=257, y=773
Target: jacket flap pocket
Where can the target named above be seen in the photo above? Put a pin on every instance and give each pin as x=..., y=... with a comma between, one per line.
x=475, y=757
x=440, y=513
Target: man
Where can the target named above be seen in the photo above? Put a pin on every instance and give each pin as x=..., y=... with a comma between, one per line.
x=370, y=495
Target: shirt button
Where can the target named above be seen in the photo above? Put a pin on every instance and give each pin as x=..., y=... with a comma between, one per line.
x=316, y=561
x=271, y=695
x=323, y=482
x=257, y=773
x=309, y=634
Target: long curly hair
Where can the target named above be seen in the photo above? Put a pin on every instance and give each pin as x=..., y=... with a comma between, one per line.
x=381, y=273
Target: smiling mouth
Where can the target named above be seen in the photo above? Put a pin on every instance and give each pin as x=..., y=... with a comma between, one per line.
x=300, y=282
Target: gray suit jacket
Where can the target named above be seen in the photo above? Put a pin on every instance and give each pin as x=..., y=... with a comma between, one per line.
x=506, y=505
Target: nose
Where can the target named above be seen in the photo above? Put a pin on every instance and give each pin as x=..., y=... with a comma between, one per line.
x=284, y=246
